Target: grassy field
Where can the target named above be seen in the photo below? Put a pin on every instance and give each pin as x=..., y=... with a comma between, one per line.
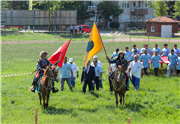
x=30, y=36
x=157, y=100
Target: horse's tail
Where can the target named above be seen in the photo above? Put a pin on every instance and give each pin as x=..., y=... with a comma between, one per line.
x=30, y=88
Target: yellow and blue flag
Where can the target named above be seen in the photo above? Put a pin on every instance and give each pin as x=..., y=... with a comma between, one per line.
x=94, y=44
x=30, y=4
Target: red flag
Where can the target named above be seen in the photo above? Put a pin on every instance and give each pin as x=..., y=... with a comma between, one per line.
x=59, y=54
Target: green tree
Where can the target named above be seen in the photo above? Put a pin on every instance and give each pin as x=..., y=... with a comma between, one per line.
x=159, y=6
x=176, y=9
x=14, y=5
x=170, y=5
x=109, y=9
x=81, y=7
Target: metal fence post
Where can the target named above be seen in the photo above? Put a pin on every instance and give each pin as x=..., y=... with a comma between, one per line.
x=130, y=37
x=18, y=37
x=55, y=12
x=169, y=37
x=148, y=36
x=33, y=20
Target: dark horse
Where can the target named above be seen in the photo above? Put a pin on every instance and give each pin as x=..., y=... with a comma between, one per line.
x=118, y=85
x=45, y=84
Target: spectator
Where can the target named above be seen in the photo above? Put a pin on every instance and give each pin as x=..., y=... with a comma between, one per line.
x=134, y=48
x=71, y=29
x=111, y=69
x=165, y=50
x=145, y=58
x=149, y=51
x=155, y=60
x=136, y=72
x=75, y=28
x=176, y=50
x=115, y=54
x=156, y=48
x=88, y=77
x=142, y=49
x=98, y=74
x=75, y=70
x=66, y=74
x=127, y=54
x=80, y=29
x=178, y=68
x=100, y=64
x=172, y=63
x=132, y=56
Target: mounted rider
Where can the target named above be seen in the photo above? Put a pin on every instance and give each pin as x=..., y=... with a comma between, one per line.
x=41, y=67
x=120, y=60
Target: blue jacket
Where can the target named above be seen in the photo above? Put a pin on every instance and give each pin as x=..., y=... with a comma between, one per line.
x=88, y=76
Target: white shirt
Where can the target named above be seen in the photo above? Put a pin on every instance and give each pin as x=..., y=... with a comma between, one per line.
x=98, y=62
x=136, y=68
x=74, y=69
x=98, y=70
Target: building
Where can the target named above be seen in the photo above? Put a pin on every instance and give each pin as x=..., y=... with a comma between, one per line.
x=162, y=26
x=136, y=11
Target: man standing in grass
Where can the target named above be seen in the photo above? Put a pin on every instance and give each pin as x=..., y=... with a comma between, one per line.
x=172, y=63
x=127, y=54
x=155, y=60
x=88, y=77
x=178, y=68
x=98, y=73
x=135, y=53
x=165, y=50
x=100, y=64
x=115, y=54
x=136, y=72
x=145, y=58
x=176, y=50
x=156, y=48
x=75, y=70
x=134, y=48
x=66, y=74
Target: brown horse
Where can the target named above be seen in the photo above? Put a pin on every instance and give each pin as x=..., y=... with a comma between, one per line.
x=118, y=85
x=46, y=82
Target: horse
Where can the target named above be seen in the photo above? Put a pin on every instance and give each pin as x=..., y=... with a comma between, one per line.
x=118, y=85
x=46, y=82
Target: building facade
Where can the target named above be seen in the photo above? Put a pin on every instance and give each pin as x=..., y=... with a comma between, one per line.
x=136, y=11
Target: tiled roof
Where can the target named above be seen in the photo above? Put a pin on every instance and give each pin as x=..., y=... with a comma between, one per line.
x=162, y=19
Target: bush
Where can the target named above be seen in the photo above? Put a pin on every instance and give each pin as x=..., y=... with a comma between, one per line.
x=15, y=29
x=132, y=24
x=114, y=25
x=99, y=26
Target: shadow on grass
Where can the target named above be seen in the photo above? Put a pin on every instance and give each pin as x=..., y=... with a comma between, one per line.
x=132, y=107
x=52, y=110
x=95, y=94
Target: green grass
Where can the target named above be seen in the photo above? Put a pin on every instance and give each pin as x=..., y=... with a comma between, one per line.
x=157, y=100
x=30, y=36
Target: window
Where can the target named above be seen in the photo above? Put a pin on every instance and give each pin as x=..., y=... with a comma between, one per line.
x=125, y=4
x=134, y=18
x=152, y=29
x=136, y=4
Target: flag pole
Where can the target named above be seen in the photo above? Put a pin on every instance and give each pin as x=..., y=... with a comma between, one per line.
x=101, y=39
x=62, y=53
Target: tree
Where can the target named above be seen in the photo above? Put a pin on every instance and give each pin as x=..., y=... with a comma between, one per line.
x=109, y=9
x=81, y=7
x=170, y=5
x=159, y=6
x=14, y=5
x=176, y=9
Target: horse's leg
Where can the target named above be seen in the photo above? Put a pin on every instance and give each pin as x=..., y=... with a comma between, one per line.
x=115, y=92
x=124, y=96
x=43, y=96
x=120, y=95
x=40, y=98
x=48, y=95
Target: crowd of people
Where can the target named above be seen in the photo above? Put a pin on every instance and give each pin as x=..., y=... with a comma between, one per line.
x=135, y=64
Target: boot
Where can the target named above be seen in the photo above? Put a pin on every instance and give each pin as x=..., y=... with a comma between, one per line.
x=126, y=86
x=54, y=90
x=33, y=83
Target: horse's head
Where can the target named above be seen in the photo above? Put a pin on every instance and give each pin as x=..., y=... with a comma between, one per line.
x=55, y=73
x=52, y=72
x=119, y=73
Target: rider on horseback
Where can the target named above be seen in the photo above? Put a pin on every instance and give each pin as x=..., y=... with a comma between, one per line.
x=41, y=67
x=120, y=60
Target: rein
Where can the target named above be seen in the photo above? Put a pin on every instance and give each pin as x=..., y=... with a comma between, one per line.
x=115, y=80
